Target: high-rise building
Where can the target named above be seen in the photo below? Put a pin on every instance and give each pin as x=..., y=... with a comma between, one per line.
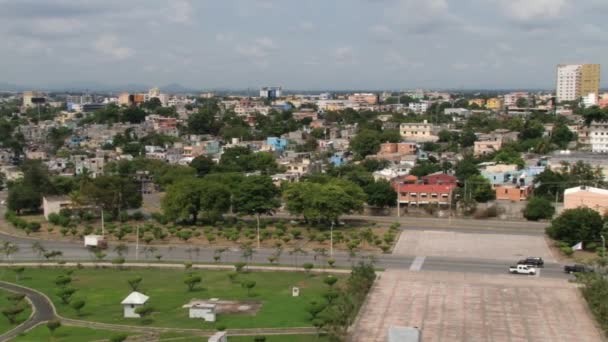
x=271, y=92
x=577, y=80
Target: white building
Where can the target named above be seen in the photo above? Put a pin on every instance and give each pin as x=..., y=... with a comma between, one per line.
x=201, y=309
x=418, y=132
x=418, y=107
x=568, y=81
x=132, y=302
x=590, y=100
x=598, y=136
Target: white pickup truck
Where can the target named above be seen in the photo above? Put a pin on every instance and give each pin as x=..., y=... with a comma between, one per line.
x=522, y=269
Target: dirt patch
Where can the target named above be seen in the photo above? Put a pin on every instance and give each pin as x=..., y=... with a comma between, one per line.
x=232, y=307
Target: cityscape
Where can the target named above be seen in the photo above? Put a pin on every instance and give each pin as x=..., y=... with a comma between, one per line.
x=274, y=182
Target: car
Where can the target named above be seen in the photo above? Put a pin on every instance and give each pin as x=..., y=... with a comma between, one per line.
x=522, y=269
x=533, y=261
x=578, y=268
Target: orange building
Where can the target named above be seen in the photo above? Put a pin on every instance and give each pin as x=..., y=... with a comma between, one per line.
x=588, y=197
x=513, y=192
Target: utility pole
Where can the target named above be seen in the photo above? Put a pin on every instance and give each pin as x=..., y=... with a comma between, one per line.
x=137, y=243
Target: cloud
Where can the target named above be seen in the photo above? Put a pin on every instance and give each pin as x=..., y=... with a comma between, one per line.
x=306, y=26
x=382, y=33
x=259, y=48
x=343, y=55
x=533, y=10
x=395, y=59
x=180, y=12
x=224, y=37
x=108, y=44
x=422, y=17
x=57, y=26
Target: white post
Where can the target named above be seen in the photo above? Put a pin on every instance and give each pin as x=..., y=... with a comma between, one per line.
x=137, y=244
x=258, y=230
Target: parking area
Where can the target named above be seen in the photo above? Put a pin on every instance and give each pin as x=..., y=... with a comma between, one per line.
x=471, y=245
x=451, y=306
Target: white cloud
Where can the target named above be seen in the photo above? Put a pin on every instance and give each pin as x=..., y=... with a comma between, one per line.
x=382, y=33
x=306, y=26
x=180, y=12
x=56, y=26
x=421, y=17
x=108, y=44
x=530, y=10
x=395, y=59
x=224, y=37
x=344, y=55
x=259, y=48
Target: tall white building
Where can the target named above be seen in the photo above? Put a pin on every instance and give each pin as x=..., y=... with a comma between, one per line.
x=568, y=82
x=598, y=136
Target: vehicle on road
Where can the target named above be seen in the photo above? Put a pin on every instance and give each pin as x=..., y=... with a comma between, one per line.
x=578, y=268
x=522, y=269
x=95, y=241
x=532, y=261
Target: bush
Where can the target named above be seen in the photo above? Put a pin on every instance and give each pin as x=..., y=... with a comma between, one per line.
x=538, y=208
x=567, y=250
x=33, y=226
x=591, y=246
x=575, y=225
x=137, y=216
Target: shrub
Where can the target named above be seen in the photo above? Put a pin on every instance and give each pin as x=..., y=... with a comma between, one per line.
x=33, y=226
x=591, y=246
x=538, y=208
x=567, y=250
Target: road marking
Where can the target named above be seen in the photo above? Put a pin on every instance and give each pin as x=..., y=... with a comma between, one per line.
x=417, y=263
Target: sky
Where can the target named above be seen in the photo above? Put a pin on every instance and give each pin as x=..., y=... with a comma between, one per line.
x=299, y=44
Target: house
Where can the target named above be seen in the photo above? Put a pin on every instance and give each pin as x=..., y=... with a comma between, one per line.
x=277, y=144
x=132, y=302
x=485, y=147
x=588, y=197
x=54, y=204
x=201, y=309
x=424, y=194
x=440, y=179
x=419, y=131
x=513, y=192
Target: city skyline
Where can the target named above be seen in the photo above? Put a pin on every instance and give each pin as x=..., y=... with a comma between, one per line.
x=369, y=44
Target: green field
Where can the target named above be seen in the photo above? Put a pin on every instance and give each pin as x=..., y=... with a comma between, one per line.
x=104, y=289
x=66, y=334
x=5, y=303
x=281, y=338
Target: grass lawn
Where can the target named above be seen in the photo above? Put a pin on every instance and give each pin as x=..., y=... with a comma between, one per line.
x=269, y=338
x=5, y=303
x=104, y=289
x=66, y=334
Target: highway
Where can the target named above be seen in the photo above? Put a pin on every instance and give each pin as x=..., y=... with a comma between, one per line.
x=75, y=251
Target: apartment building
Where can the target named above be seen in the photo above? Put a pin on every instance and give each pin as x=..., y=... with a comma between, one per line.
x=511, y=98
x=363, y=99
x=598, y=136
x=494, y=103
x=587, y=197
x=419, y=131
x=424, y=194
x=577, y=80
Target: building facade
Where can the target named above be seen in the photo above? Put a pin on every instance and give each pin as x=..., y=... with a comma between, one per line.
x=418, y=131
x=577, y=80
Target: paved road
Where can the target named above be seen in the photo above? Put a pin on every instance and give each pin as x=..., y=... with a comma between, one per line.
x=43, y=310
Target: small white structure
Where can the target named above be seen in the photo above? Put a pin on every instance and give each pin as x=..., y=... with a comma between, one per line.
x=132, y=302
x=200, y=309
x=220, y=336
x=295, y=291
x=93, y=240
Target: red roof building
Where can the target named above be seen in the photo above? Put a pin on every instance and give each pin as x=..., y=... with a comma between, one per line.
x=439, y=179
x=424, y=194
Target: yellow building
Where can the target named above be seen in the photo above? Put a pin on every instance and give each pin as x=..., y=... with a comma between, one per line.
x=590, y=79
x=479, y=102
x=494, y=103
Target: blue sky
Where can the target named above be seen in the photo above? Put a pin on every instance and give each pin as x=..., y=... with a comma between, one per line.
x=300, y=44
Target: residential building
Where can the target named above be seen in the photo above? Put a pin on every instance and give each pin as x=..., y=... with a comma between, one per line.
x=513, y=192
x=577, y=80
x=494, y=103
x=590, y=100
x=418, y=107
x=587, y=197
x=457, y=111
x=598, y=136
x=363, y=99
x=440, y=179
x=511, y=98
x=418, y=131
x=277, y=144
x=54, y=204
x=485, y=147
x=424, y=194
x=30, y=98
x=479, y=102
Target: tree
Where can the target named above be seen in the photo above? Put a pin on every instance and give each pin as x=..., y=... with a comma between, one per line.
x=538, y=208
x=480, y=189
x=121, y=249
x=366, y=142
x=249, y=285
x=576, y=225
x=203, y=165
x=330, y=280
x=308, y=266
x=18, y=272
x=380, y=194
x=424, y=167
x=152, y=104
x=134, y=283
x=256, y=196
x=187, y=199
x=521, y=102
x=192, y=281
x=113, y=193
x=144, y=312
x=38, y=248
x=119, y=338
x=78, y=305
x=53, y=325
x=561, y=136
x=533, y=129
x=133, y=115
x=23, y=196
x=11, y=313
x=466, y=168
x=65, y=294
x=8, y=249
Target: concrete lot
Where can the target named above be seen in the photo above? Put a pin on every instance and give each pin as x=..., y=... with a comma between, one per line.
x=470, y=245
x=450, y=306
